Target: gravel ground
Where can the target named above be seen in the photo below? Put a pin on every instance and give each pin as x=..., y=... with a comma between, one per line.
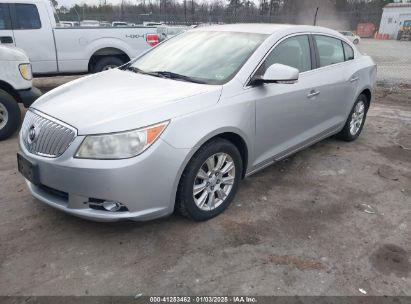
x=331, y=220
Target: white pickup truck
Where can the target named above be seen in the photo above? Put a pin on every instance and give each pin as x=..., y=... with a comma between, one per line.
x=32, y=25
x=15, y=87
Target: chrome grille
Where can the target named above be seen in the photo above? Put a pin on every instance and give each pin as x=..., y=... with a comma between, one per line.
x=46, y=136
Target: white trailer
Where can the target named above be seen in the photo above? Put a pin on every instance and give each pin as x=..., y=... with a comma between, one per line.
x=393, y=18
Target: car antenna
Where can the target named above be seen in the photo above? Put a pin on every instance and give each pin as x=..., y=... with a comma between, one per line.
x=316, y=14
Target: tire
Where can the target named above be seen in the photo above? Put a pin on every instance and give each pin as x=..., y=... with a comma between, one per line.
x=10, y=115
x=186, y=204
x=349, y=132
x=107, y=62
x=356, y=41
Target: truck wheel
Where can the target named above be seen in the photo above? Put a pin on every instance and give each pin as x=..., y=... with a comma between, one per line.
x=10, y=115
x=107, y=63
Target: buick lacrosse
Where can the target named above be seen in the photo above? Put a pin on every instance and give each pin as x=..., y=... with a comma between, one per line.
x=180, y=126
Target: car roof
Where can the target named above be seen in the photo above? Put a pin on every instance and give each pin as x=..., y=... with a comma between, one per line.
x=262, y=28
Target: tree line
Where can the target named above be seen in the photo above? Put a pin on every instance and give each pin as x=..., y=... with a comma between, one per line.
x=347, y=12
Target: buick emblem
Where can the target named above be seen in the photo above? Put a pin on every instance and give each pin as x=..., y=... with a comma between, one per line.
x=32, y=134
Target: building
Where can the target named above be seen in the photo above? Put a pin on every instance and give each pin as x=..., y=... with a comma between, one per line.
x=393, y=17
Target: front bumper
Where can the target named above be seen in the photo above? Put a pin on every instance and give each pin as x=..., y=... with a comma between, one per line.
x=27, y=97
x=145, y=184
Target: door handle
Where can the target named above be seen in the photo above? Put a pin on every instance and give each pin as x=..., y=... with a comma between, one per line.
x=354, y=78
x=313, y=93
x=6, y=39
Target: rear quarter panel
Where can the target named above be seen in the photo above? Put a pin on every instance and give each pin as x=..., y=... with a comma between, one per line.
x=367, y=69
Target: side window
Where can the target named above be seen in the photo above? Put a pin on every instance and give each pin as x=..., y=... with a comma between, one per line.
x=27, y=17
x=294, y=52
x=348, y=52
x=330, y=50
x=4, y=17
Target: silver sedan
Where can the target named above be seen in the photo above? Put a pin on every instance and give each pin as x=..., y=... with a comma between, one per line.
x=180, y=126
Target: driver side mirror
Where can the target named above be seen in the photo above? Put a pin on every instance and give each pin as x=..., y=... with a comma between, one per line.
x=278, y=73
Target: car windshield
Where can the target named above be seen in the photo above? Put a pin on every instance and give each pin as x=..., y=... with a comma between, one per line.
x=202, y=56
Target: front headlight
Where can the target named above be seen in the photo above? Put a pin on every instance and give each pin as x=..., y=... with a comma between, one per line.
x=120, y=145
x=25, y=71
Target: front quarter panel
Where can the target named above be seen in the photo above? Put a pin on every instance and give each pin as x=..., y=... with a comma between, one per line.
x=11, y=75
x=231, y=114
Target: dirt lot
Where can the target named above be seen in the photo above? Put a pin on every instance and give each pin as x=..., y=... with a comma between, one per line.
x=330, y=220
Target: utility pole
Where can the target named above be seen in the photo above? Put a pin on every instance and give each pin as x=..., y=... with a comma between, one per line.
x=192, y=11
x=185, y=11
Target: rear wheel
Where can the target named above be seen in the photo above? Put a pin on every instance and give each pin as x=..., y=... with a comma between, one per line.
x=356, y=120
x=210, y=180
x=107, y=63
x=10, y=115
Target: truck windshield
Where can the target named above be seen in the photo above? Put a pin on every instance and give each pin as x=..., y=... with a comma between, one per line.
x=204, y=56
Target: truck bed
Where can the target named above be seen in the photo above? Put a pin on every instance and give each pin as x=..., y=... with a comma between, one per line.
x=75, y=46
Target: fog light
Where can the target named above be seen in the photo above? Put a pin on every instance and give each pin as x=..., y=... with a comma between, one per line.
x=112, y=206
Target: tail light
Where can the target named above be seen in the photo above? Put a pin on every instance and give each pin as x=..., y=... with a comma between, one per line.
x=152, y=39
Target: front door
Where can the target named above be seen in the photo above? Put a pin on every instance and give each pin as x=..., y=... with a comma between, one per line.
x=286, y=114
x=33, y=33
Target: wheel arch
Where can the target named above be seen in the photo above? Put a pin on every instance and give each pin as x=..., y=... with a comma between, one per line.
x=234, y=136
x=105, y=52
x=10, y=90
x=367, y=92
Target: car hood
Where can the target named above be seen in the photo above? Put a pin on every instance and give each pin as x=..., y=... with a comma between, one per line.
x=116, y=100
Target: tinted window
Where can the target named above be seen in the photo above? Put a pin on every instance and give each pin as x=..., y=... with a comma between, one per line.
x=4, y=17
x=27, y=17
x=330, y=50
x=348, y=51
x=294, y=52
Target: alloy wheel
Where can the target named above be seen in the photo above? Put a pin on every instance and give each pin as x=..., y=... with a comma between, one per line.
x=214, y=181
x=357, y=118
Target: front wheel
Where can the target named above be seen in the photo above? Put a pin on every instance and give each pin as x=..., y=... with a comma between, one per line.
x=356, y=120
x=10, y=115
x=210, y=180
x=356, y=41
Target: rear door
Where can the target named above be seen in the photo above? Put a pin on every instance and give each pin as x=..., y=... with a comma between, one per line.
x=33, y=33
x=337, y=80
x=6, y=33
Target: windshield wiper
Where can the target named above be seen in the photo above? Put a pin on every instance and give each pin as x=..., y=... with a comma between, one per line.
x=171, y=75
x=164, y=74
x=134, y=69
